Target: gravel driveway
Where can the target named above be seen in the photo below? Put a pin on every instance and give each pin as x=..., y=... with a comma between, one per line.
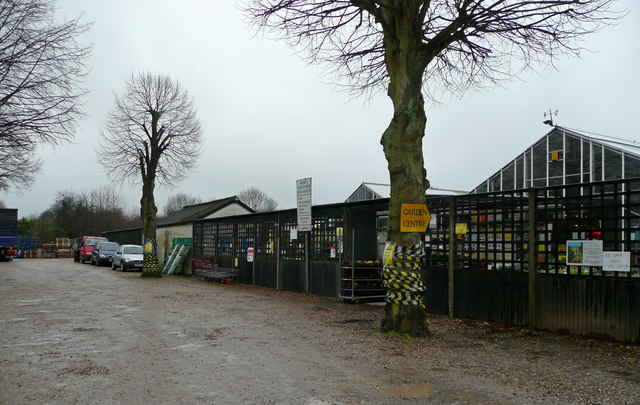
x=74, y=333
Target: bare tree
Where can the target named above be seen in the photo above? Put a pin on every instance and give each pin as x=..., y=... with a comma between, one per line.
x=417, y=48
x=77, y=213
x=152, y=134
x=41, y=69
x=179, y=201
x=257, y=200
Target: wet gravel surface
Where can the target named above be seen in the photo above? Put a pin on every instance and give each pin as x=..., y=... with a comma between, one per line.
x=73, y=333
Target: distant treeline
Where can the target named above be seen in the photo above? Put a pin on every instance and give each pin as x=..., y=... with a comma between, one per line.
x=74, y=214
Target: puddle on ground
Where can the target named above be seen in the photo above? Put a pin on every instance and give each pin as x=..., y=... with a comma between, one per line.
x=190, y=346
x=411, y=391
x=126, y=308
x=23, y=303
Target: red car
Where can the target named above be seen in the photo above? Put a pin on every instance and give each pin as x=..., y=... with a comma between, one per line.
x=86, y=247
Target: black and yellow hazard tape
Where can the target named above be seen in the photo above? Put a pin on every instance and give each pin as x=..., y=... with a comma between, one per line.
x=399, y=286
x=415, y=251
x=407, y=258
x=407, y=264
x=150, y=264
x=405, y=298
x=405, y=277
x=401, y=275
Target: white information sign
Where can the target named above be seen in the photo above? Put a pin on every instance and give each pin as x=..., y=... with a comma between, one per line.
x=250, y=255
x=303, y=193
x=584, y=253
x=616, y=261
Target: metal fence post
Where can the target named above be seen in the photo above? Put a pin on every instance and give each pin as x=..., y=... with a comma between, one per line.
x=533, y=258
x=306, y=262
x=277, y=236
x=452, y=247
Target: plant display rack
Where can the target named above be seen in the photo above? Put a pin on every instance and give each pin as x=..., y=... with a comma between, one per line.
x=361, y=281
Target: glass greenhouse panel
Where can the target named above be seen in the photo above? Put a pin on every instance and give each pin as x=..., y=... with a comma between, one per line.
x=612, y=164
x=631, y=167
x=572, y=156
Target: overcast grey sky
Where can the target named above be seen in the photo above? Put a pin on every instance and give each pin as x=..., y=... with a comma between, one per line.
x=270, y=118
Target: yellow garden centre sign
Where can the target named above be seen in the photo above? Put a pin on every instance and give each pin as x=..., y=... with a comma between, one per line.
x=414, y=218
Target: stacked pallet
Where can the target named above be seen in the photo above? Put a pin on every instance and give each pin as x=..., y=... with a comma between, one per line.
x=65, y=253
x=63, y=243
x=30, y=254
x=64, y=247
x=48, y=251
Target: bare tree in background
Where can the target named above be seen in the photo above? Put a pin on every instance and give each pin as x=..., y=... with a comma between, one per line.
x=257, y=200
x=78, y=213
x=41, y=69
x=179, y=201
x=152, y=135
x=415, y=48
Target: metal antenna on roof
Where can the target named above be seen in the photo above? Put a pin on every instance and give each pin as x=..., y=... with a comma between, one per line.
x=550, y=120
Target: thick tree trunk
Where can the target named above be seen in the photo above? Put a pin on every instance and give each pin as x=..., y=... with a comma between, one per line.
x=402, y=143
x=148, y=211
x=148, y=166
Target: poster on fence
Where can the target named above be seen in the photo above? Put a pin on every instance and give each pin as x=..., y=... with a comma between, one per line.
x=616, y=261
x=584, y=253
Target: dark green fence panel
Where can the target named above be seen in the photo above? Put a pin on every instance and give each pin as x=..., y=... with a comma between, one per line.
x=246, y=271
x=598, y=306
x=292, y=275
x=324, y=279
x=490, y=295
x=265, y=273
x=225, y=261
x=436, y=282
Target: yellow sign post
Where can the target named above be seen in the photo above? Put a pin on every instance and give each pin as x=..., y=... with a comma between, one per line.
x=388, y=254
x=414, y=218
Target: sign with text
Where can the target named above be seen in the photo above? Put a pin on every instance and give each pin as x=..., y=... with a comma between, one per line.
x=250, y=255
x=616, y=261
x=303, y=194
x=414, y=218
x=584, y=253
x=388, y=253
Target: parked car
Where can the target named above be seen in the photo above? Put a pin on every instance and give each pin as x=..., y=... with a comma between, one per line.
x=103, y=253
x=86, y=247
x=75, y=249
x=128, y=257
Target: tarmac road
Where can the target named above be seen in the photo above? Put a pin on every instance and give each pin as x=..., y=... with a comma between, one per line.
x=74, y=333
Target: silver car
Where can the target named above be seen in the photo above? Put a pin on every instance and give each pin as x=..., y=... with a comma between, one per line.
x=128, y=257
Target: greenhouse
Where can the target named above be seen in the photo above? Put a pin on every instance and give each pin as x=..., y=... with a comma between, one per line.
x=564, y=157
